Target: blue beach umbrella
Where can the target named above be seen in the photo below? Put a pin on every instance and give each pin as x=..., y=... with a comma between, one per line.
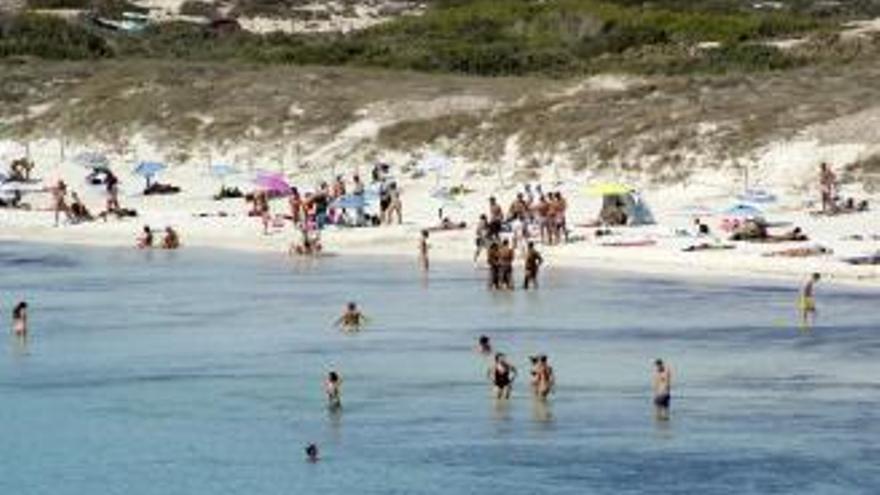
x=222, y=170
x=351, y=201
x=743, y=211
x=148, y=170
x=91, y=159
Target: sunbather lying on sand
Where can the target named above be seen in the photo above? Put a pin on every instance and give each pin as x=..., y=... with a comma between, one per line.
x=157, y=188
x=800, y=252
x=447, y=224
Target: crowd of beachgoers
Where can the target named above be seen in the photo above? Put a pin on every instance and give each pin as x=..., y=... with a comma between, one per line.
x=502, y=235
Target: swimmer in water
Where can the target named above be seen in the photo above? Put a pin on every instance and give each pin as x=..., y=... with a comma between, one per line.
x=662, y=384
x=502, y=375
x=312, y=453
x=807, y=301
x=333, y=389
x=484, y=346
x=20, y=320
x=352, y=319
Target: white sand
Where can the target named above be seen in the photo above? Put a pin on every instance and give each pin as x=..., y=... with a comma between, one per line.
x=714, y=191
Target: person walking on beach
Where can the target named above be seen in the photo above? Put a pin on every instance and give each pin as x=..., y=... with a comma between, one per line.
x=423, y=251
x=827, y=187
x=807, y=301
x=502, y=375
x=351, y=319
x=662, y=385
x=20, y=320
x=333, y=389
x=533, y=262
x=59, y=202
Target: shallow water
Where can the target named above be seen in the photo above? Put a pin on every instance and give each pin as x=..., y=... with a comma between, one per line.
x=199, y=372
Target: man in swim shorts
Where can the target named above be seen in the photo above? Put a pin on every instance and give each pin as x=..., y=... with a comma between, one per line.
x=662, y=384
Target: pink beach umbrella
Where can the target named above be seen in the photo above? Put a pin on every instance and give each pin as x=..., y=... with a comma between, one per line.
x=273, y=183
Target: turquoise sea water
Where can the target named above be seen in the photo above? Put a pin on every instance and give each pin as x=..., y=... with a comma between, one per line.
x=199, y=372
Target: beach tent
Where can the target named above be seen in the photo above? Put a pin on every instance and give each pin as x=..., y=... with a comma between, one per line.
x=628, y=201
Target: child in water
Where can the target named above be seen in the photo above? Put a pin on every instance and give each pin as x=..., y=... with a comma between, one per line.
x=333, y=388
x=352, y=319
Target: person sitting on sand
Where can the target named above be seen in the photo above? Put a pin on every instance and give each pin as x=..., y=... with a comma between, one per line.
x=20, y=170
x=157, y=188
x=145, y=240
x=78, y=210
x=333, y=389
x=750, y=230
x=502, y=374
x=351, y=319
x=702, y=229
x=171, y=240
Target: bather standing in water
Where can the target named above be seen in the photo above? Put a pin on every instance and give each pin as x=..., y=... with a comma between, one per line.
x=533, y=263
x=20, y=320
x=352, y=319
x=662, y=384
x=502, y=375
x=807, y=301
x=333, y=389
x=171, y=240
x=146, y=239
x=543, y=378
x=423, y=251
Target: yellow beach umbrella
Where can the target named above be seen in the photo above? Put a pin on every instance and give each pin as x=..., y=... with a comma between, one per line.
x=608, y=188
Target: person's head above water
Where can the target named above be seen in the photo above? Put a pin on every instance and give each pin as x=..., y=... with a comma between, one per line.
x=352, y=306
x=659, y=364
x=816, y=276
x=531, y=244
x=484, y=340
x=424, y=234
x=312, y=452
x=333, y=376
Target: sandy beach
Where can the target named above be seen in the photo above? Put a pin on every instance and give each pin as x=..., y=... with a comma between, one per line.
x=198, y=218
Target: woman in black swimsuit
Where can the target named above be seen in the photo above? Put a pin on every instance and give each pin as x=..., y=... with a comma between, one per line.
x=502, y=374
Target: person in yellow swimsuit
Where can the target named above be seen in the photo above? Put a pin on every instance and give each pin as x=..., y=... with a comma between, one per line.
x=807, y=302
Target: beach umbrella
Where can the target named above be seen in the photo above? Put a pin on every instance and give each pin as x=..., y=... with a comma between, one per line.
x=743, y=211
x=222, y=170
x=149, y=169
x=91, y=159
x=609, y=188
x=434, y=163
x=757, y=196
x=351, y=201
x=273, y=183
